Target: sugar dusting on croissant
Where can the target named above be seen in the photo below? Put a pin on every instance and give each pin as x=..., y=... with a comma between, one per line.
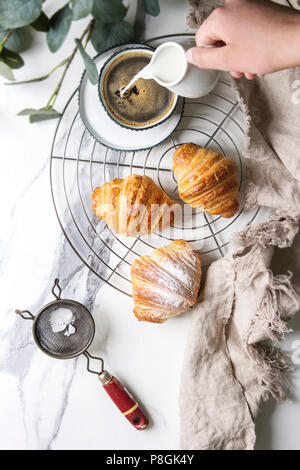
x=166, y=282
x=206, y=179
x=134, y=205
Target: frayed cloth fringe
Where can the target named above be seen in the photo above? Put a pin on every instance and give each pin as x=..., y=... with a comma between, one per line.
x=271, y=366
x=279, y=230
x=271, y=363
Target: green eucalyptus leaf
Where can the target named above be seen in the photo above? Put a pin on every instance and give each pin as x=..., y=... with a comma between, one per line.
x=60, y=25
x=16, y=40
x=109, y=11
x=31, y=111
x=6, y=71
x=37, y=115
x=81, y=8
x=42, y=23
x=16, y=13
x=106, y=35
x=12, y=59
x=43, y=117
x=152, y=7
x=91, y=69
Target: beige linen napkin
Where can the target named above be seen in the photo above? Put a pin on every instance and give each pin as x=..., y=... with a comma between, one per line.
x=228, y=373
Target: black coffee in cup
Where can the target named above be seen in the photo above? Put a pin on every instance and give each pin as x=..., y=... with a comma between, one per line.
x=145, y=104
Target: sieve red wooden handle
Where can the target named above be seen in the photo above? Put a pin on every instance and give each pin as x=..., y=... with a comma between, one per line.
x=128, y=406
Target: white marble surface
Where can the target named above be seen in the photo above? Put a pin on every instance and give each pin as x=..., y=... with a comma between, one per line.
x=48, y=404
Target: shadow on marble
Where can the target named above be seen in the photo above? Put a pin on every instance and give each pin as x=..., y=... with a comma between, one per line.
x=263, y=426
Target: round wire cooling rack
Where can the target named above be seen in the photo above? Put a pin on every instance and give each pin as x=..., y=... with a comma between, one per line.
x=79, y=164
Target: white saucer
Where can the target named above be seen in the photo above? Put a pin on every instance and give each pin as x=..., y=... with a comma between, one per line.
x=109, y=133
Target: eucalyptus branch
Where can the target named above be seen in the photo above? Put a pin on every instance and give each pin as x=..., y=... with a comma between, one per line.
x=69, y=60
x=41, y=78
x=88, y=37
x=107, y=28
x=52, y=99
x=6, y=38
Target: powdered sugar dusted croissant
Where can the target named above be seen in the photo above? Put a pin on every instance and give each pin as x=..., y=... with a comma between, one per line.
x=133, y=206
x=206, y=179
x=166, y=283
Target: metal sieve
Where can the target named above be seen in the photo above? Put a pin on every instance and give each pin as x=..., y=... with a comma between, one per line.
x=60, y=346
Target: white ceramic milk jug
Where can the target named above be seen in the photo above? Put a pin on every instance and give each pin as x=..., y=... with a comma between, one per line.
x=170, y=68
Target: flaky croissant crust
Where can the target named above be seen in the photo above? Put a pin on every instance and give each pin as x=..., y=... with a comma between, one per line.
x=206, y=179
x=133, y=206
x=166, y=282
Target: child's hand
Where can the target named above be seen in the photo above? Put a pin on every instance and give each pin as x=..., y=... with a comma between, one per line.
x=254, y=38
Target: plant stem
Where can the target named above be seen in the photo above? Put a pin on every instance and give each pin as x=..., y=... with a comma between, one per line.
x=6, y=38
x=52, y=98
x=54, y=95
x=87, y=39
x=42, y=77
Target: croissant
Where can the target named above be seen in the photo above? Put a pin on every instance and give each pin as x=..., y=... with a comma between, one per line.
x=206, y=179
x=166, y=282
x=133, y=206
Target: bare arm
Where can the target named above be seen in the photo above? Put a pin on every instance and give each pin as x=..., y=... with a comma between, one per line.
x=255, y=37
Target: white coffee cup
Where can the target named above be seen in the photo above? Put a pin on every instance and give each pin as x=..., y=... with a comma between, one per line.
x=110, y=61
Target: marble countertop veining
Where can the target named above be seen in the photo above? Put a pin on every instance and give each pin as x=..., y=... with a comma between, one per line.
x=51, y=404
